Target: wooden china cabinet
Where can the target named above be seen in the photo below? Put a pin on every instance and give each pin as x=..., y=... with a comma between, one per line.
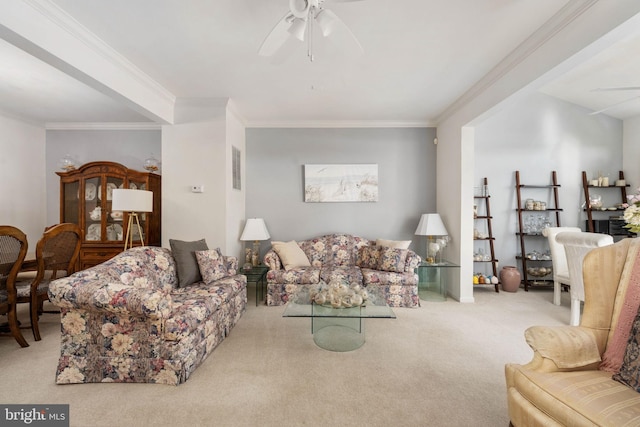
x=85, y=199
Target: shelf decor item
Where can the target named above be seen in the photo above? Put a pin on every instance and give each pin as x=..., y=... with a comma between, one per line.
x=133, y=202
x=67, y=163
x=256, y=230
x=431, y=225
x=152, y=164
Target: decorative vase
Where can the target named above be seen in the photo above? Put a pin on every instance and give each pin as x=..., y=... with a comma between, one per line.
x=510, y=278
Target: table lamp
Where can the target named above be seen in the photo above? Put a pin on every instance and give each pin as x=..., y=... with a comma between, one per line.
x=132, y=201
x=431, y=225
x=255, y=229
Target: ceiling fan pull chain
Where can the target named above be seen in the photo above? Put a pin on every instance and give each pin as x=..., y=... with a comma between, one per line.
x=312, y=17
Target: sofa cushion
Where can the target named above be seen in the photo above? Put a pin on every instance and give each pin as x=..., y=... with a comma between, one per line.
x=291, y=255
x=579, y=397
x=630, y=370
x=212, y=265
x=186, y=262
x=194, y=304
x=392, y=259
x=343, y=249
x=399, y=244
x=316, y=250
x=375, y=277
x=341, y=274
x=298, y=276
x=368, y=257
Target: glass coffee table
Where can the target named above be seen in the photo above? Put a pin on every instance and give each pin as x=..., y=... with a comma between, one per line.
x=338, y=329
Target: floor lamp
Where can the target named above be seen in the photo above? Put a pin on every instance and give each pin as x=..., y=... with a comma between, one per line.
x=431, y=225
x=132, y=201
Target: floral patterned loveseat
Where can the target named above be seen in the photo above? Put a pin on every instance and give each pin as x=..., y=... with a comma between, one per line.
x=126, y=320
x=351, y=259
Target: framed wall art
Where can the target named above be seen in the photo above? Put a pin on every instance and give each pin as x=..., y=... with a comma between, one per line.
x=340, y=183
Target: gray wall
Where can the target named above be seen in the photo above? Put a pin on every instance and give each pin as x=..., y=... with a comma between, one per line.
x=406, y=159
x=537, y=135
x=127, y=147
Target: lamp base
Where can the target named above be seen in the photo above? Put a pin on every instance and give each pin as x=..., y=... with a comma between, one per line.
x=433, y=252
x=128, y=241
x=255, y=258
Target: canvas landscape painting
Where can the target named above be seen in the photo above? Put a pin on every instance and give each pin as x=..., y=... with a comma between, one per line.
x=341, y=183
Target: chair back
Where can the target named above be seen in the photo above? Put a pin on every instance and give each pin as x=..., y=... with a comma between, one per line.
x=576, y=246
x=58, y=249
x=13, y=249
x=558, y=257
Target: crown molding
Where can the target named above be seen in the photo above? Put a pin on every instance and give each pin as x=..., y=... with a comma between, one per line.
x=339, y=124
x=102, y=126
x=66, y=22
x=572, y=10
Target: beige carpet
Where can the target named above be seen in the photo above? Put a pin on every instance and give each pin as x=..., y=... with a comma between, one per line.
x=438, y=365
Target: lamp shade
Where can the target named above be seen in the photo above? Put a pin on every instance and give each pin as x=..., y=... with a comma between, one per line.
x=255, y=229
x=431, y=225
x=132, y=200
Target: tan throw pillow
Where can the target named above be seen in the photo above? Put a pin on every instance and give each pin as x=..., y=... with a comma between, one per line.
x=291, y=254
x=398, y=244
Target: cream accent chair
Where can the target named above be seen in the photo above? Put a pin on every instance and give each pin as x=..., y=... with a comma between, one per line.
x=576, y=246
x=559, y=260
x=562, y=385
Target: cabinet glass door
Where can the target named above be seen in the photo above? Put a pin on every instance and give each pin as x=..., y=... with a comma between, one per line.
x=92, y=209
x=71, y=206
x=114, y=229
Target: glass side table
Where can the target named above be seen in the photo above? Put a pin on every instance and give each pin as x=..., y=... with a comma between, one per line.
x=257, y=275
x=433, y=279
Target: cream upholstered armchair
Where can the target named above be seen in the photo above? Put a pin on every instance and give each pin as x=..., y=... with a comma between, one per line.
x=576, y=246
x=569, y=381
x=559, y=260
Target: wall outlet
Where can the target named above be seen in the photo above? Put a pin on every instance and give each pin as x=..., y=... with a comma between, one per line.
x=197, y=188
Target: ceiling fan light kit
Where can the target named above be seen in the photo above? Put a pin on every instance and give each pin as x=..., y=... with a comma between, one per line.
x=299, y=23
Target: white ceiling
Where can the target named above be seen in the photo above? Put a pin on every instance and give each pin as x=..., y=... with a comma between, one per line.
x=419, y=57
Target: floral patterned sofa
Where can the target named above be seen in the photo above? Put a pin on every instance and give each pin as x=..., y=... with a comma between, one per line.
x=347, y=258
x=126, y=320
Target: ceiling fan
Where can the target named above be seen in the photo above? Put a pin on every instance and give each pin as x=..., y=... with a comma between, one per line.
x=299, y=22
x=612, y=89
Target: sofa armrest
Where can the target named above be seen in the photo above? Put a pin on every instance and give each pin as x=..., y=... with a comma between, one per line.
x=272, y=260
x=113, y=297
x=412, y=262
x=232, y=265
x=562, y=348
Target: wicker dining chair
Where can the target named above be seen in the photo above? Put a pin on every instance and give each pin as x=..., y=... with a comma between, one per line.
x=13, y=249
x=57, y=250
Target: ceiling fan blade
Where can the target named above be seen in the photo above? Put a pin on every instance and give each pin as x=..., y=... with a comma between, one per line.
x=329, y=22
x=277, y=37
x=614, y=105
x=607, y=89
